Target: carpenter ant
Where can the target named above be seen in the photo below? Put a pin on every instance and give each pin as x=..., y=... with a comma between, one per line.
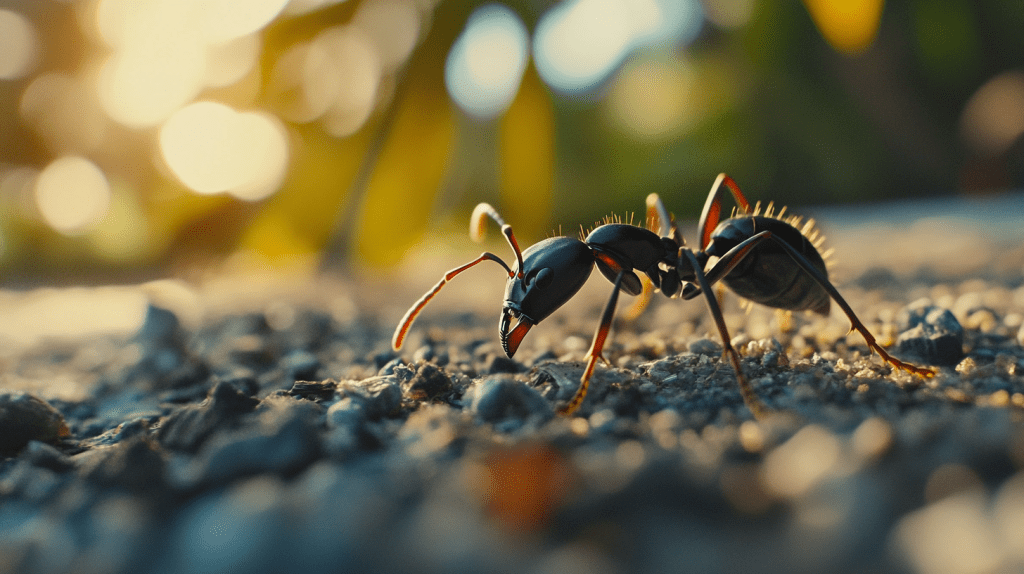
x=761, y=257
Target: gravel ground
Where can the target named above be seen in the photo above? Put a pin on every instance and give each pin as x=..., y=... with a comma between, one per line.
x=265, y=424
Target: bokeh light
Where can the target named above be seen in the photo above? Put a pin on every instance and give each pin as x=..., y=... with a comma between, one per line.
x=657, y=22
x=486, y=63
x=224, y=20
x=64, y=112
x=212, y=148
x=393, y=27
x=579, y=43
x=19, y=45
x=994, y=116
x=160, y=71
x=654, y=99
x=72, y=194
x=336, y=77
x=350, y=56
x=230, y=61
x=166, y=51
x=848, y=25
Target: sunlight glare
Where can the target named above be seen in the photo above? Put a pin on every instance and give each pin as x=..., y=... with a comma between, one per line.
x=654, y=100
x=578, y=43
x=230, y=61
x=656, y=22
x=64, y=112
x=39, y=315
x=159, y=62
x=993, y=117
x=19, y=45
x=486, y=63
x=392, y=25
x=225, y=20
x=355, y=60
x=72, y=194
x=213, y=149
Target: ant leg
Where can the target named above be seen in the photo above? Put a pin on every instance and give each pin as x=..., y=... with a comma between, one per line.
x=596, y=347
x=642, y=300
x=753, y=403
x=855, y=323
x=712, y=212
x=410, y=315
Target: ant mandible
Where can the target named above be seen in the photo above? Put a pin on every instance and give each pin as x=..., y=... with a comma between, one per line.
x=761, y=257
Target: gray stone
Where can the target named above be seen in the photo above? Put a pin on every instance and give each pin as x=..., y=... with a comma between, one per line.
x=497, y=399
x=930, y=334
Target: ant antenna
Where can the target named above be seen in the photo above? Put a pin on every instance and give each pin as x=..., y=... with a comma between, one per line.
x=478, y=230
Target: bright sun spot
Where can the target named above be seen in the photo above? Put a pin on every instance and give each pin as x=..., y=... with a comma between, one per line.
x=166, y=51
x=213, y=149
x=579, y=43
x=72, y=194
x=487, y=61
x=224, y=20
x=18, y=45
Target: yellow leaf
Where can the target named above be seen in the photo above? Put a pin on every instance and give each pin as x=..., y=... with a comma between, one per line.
x=849, y=26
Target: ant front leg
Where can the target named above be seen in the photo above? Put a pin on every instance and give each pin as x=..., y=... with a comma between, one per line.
x=596, y=348
x=753, y=403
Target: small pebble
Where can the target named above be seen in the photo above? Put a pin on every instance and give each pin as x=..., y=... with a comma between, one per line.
x=930, y=334
x=25, y=417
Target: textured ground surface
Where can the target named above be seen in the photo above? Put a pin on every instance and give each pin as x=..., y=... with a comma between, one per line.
x=213, y=430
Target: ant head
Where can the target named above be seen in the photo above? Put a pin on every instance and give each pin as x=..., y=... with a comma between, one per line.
x=551, y=272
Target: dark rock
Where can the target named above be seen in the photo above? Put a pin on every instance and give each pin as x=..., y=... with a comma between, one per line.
x=313, y=390
x=160, y=328
x=139, y=426
x=243, y=380
x=930, y=334
x=28, y=482
x=188, y=428
x=283, y=441
x=46, y=456
x=351, y=419
x=388, y=368
x=501, y=364
x=497, y=399
x=25, y=417
x=381, y=396
x=135, y=465
x=429, y=382
x=348, y=413
x=706, y=347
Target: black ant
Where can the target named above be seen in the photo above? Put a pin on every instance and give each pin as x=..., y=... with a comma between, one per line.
x=763, y=258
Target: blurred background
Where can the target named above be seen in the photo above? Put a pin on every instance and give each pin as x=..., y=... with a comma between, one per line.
x=147, y=138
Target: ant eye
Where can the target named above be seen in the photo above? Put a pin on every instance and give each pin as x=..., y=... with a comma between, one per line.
x=544, y=277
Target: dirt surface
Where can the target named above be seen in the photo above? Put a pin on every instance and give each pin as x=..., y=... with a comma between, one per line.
x=264, y=423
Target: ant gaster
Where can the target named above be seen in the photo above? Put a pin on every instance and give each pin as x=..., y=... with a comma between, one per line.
x=763, y=258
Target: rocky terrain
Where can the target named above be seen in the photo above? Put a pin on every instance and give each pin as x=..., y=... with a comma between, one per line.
x=223, y=431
